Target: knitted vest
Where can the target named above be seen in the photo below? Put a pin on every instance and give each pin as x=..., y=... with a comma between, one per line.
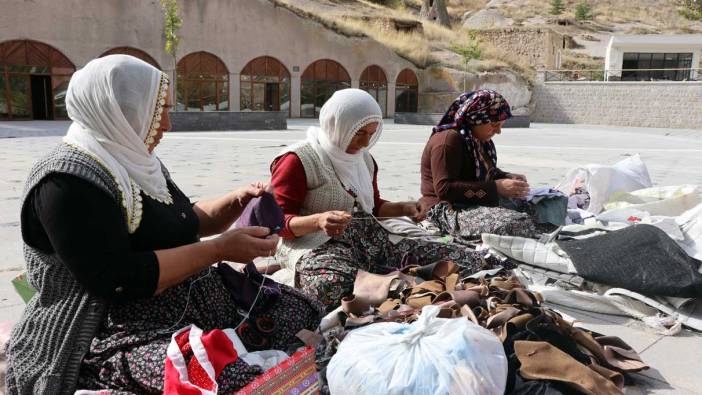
x=47, y=345
x=324, y=193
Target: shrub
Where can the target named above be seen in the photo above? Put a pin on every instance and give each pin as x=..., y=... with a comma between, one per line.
x=583, y=11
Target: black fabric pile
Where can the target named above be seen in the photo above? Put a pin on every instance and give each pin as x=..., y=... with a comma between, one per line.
x=640, y=258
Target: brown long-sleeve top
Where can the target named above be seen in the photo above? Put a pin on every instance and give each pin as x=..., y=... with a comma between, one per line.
x=448, y=174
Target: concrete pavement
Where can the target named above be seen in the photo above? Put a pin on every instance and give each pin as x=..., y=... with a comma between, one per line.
x=207, y=164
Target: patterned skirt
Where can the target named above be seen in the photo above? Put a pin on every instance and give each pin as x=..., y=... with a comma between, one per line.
x=129, y=352
x=328, y=272
x=469, y=223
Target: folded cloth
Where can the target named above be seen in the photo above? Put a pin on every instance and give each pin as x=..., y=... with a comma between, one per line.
x=262, y=211
x=641, y=258
x=543, y=192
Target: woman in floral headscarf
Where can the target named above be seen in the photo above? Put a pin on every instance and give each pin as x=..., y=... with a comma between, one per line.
x=462, y=187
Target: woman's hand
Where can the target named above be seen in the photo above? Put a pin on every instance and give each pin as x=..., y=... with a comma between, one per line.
x=510, y=188
x=333, y=223
x=244, y=244
x=413, y=210
x=244, y=194
x=519, y=177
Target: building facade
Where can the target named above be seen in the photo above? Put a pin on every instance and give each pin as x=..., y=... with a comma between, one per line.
x=241, y=55
x=653, y=57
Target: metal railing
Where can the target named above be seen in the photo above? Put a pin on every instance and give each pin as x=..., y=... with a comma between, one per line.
x=612, y=75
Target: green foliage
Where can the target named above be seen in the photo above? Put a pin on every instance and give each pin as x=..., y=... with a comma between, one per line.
x=583, y=11
x=691, y=9
x=469, y=50
x=557, y=7
x=172, y=22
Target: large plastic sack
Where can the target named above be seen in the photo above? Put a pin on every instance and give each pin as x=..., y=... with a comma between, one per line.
x=601, y=181
x=658, y=206
x=668, y=201
x=690, y=223
x=430, y=356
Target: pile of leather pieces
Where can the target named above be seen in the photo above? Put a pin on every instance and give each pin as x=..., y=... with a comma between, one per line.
x=546, y=354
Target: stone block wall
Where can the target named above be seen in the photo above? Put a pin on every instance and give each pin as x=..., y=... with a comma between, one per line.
x=538, y=47
x=643, y=104
x=439, y=87
x=199, y=121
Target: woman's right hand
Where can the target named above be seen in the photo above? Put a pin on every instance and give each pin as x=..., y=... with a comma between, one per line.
x=244, y=244
x=333, y=223
x=510, y=188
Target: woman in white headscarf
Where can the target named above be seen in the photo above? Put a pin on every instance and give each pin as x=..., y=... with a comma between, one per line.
x=327, y=187
x=113, y=249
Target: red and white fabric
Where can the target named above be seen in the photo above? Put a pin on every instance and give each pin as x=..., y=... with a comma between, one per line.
x=212, y=351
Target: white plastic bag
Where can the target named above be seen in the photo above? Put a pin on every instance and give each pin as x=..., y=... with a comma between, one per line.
x=430, y=356
x=601, y=182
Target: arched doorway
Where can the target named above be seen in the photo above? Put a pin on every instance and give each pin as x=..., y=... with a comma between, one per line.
x=202, y=83
x=265, y=86
x=373, y=81
x=406, y=91
x=137, y=53
x=319, y=81
x=33, y=81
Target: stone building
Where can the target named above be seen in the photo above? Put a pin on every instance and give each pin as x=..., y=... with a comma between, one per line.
x=241, y=55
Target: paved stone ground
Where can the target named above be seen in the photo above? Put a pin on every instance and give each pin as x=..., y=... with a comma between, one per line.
x=209, y=164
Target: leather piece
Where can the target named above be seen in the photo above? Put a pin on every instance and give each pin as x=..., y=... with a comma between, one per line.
x=372, y=289
x=542, y=361
x=610, y=351
x=353, y=305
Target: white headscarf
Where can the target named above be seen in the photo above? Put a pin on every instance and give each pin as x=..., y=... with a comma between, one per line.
x=344, y=114
x=115, y=103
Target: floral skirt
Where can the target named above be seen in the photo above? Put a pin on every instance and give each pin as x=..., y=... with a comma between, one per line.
x=329, y=271
x=129, y=352
x=470, y=223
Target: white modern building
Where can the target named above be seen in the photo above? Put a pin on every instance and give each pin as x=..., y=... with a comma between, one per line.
x=653, y=57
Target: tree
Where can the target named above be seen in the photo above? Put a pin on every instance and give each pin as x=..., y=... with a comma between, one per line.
x=171, y=23
x=435, y=10
x=583, y=11
x=691, y=9
x=557, y=7
x=468, y=51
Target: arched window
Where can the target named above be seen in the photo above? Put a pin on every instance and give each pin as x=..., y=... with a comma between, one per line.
x=33, y=81
x=373, y=81
x=265, y=86
x=319, y=81
x=406, y=92
x=202, y=83
x=137, y=53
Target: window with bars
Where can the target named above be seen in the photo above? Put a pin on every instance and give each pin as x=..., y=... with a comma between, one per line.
x=265, y=86
x=319, y=82
x=202, y=84
x=406, y=92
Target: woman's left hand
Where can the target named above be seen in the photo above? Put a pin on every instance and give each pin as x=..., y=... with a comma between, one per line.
x=519, y=177
x=244, y=194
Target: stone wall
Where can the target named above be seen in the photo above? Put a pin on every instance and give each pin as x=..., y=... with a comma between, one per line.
x=420, y=118
x=182, y=121
x=537, y=47
x=644, y=104
x=439, y=87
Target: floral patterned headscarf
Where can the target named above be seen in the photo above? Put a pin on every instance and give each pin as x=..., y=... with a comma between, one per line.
x=476, y=108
